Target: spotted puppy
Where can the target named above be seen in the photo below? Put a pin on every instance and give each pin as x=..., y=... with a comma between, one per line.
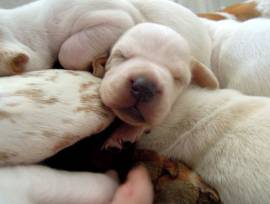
x=41, y=113
x=33, y=36
x=241, y=11
x=222, y=134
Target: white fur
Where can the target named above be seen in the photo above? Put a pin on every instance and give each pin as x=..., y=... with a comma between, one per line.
x=222, y=134
x=41, y=113
x=42, y=185
x=79, y=30
x=240, y=54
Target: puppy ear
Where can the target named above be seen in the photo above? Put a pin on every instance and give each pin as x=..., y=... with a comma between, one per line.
x=203, y=76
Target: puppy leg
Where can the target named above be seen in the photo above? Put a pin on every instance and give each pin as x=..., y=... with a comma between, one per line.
x=42, y=185
x=78, y=51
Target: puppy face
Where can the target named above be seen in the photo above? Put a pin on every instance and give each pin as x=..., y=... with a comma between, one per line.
x=147, y=70
x=16, y=57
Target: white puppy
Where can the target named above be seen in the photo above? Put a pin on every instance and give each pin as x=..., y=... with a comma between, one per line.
x=240, y=56
x=222, y=134
x=78, y=31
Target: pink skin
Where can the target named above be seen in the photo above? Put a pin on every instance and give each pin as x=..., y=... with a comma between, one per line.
x=124, y=133
x=137, y=189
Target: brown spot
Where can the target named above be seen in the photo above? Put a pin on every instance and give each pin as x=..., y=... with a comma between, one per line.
x=243, y=11
x=5, y=115
x=212, y=16
x=4, y=156
x=85, y=86
x=36, y=95
x=98, y=65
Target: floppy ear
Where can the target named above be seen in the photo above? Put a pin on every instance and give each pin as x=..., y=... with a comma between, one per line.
x=203, y=76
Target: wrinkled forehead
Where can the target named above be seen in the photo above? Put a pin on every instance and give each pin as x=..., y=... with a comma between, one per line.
x=155, y=41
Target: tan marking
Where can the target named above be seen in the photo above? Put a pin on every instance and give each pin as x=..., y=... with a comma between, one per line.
x=36, y=95
x=85, y=86
x=30, y=133
x=243, y=11
x=212, y=16
x=4, y=156
x=5, y=115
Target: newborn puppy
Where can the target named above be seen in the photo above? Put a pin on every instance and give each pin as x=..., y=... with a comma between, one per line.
x=43, y=112
x=42, y=185
x=33, y=36
x=146, y=71
x=240, y=56
x=221, y=134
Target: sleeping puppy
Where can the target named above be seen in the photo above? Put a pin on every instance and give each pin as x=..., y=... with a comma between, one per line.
x=240, y=54
x=144, y=75
x=33, y=36
x=222, y=134
x=241, y=11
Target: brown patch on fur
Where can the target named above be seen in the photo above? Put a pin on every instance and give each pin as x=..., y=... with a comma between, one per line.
x=4, y=156
x=85, y=86
x=37, y=95
x=5, y=115
x=212, y=16
x=243, y=11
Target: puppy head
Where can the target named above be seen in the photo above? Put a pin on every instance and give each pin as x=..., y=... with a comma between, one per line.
x=16, y=57
x=148, y=68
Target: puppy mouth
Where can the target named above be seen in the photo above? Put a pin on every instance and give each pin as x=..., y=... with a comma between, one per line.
x=134, y=113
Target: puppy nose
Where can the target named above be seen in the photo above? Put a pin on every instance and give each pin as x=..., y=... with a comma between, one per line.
x=143, y=89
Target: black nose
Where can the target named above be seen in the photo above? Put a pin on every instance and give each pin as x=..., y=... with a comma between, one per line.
x=143, y=89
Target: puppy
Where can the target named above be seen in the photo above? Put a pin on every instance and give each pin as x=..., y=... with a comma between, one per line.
x=33, y=36
x=42, y=185
x=222, y=134
x=142, y=81
x=43, y=112
x=240, y=54
x=241, y=11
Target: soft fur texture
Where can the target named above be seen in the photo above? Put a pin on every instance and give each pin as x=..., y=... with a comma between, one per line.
x=41, y=113
x=77, y=31
x=240, y=56
x=222, y=134
x=156, y=53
